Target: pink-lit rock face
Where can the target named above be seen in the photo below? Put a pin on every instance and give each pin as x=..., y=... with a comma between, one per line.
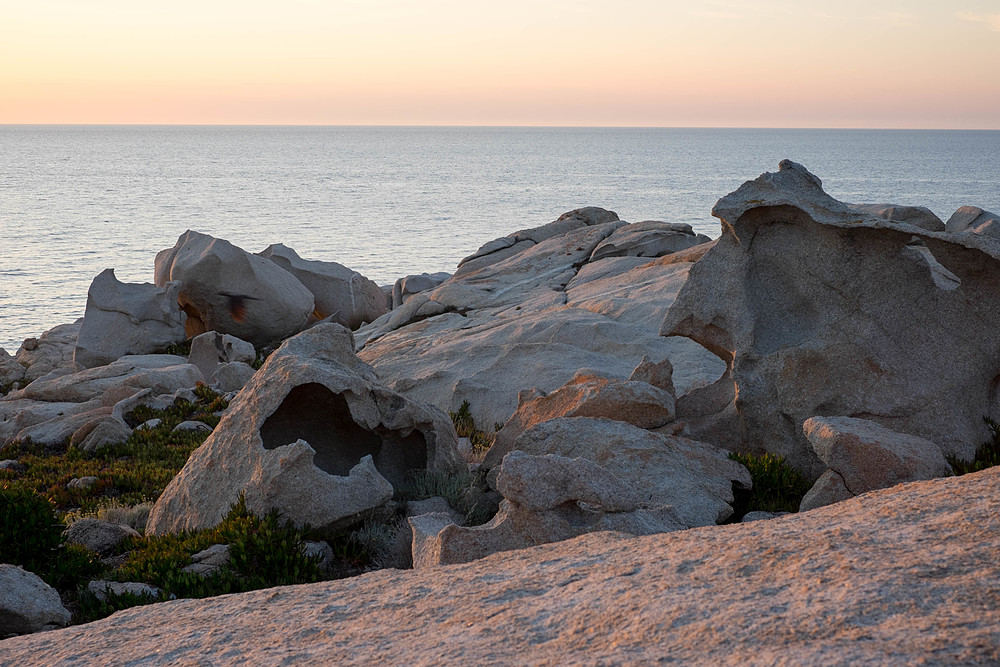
x=895, y=577
x=823, y=310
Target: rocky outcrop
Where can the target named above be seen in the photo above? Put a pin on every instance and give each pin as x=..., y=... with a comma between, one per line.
x=863, y=456
x=123, y=319
x=27, y=604
x=313, y=435
x=818, y=311
x=636, y=403
x=53, y=408
x=342, y=295
x=211, y=348
x=53, y=350
x=530, y=310
x=226, y=289
x=901, y=576
x=975, y=220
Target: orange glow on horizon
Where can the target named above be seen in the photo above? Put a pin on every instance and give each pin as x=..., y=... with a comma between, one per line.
x=443, y=62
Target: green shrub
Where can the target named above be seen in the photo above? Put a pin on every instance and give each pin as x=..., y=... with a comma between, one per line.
x=465, y=427
x=777, y=487
x=987, y=454
x=29, y=529
x=463, y=491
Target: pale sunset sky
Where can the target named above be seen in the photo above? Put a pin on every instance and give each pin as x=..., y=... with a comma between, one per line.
x=714, y=63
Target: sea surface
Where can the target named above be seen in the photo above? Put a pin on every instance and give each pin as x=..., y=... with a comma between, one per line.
x=388, y=202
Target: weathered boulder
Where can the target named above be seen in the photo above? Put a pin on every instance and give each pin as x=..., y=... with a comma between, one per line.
x=100, y=432
x=226, y=289
x=826, y=490
x=50, y=351
x=650, y=238
x=636, y=403
x=210, y=561
x=534, y=318
x=918, y=216
x=211, y=348
x=816, y=311
x=231, y=377
x=547, y=498
x=314, y=419
x=866, y=456
x=44, y=421
x=342, y=295
x=974, y=219
x=103, y=590
x=124, y=319
x=407, y=286
x=99, y=536
x=695, y=478
x=27, y=604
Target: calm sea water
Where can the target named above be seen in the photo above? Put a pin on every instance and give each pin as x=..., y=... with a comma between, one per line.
x=387, y=202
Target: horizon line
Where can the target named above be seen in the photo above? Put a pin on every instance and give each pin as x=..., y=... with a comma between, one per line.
x=517, y=126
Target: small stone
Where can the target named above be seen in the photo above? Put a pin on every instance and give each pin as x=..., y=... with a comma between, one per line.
x=82, y=483
x=193, y=426
x=102, y=589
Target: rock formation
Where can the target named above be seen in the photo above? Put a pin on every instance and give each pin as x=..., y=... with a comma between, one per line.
x=313, y=435
x=341, y=295
x=818, y=309
x=975, y=220
x=531, y=310
x=126, y=319
x=226, y=289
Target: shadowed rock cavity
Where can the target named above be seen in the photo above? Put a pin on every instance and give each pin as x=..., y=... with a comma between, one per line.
x=313, y=413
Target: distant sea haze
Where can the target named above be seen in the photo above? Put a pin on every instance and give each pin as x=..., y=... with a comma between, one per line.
x=388, y=202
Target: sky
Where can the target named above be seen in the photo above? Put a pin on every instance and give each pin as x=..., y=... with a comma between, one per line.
x=660, y=63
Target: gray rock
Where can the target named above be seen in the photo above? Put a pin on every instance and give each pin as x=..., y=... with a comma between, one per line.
x=826, y=313
x=407, y=286
x=231, y=377
x=193, y=426
x=102, y=589
x=226, y=289
x=100, y=432
x=211, y=348
x=761, y=516
x=650, y=238
x=313, y=435
x=28, y=604
x=53, y=350
x=974, y=219
x=123, y=319
x=342, y=295
x=918, y=216
x=827, y=490
x=868, y=456
x=210, y=561
x=636, y=403
x=99, y=536
x=321, y=551
x=82, y=483
x=434, y=505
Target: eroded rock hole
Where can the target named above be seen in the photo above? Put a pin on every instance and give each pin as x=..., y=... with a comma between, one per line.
x=313, y=413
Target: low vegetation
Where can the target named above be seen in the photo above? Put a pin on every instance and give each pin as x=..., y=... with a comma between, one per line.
x=777, y=487
x=465, y=427
x=987, y=454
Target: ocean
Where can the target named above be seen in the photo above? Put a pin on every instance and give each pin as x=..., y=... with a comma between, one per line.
x=391, y=201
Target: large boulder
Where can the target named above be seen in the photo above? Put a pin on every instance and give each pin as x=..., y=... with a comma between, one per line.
x=342, y=295
x=407, y=286
x=99, y=536
x=817, y=311
x=311, y=433
x=126, y=319
x=975, y=220
x=547, y=498
x=28, y=604
x=226, y=289
x=637, y=403
x=866, y=456
x=536, y=311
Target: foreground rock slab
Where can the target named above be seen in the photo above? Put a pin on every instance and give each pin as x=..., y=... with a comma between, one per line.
x=900, y=576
